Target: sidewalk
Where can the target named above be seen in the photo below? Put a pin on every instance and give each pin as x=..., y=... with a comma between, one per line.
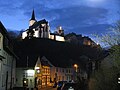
x=43, y=88
x=47, y=88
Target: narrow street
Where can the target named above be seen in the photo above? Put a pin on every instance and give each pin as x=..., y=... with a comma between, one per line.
x=48, y=88
x=45, y=88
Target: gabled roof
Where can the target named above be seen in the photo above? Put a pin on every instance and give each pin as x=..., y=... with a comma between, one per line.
x=33, y=15
x=45, y=61
x=3, y=30
x=36, y=24
x=38, y=63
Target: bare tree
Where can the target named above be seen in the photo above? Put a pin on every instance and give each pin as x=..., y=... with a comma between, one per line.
x=107, y=76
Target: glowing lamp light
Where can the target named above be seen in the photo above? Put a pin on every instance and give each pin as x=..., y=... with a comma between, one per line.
x=119, y=80
x=97, y=43
x=25, y=81
x=38, y=71
x=76, y=67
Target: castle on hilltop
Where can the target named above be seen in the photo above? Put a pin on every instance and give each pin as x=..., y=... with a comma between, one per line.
x=41, y=29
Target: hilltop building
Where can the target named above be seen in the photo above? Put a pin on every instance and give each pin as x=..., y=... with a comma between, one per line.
x=41, y=29
x=80, y=40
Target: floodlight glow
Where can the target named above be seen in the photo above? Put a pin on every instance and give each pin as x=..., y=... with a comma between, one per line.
x=60, y=38
x=97, y=43
x=75, y=65
x=25, y=82
x=60, y=28
x=38, y=71
x=37, y=67
x=43, y=25
x=30, y=72
x=24, y=34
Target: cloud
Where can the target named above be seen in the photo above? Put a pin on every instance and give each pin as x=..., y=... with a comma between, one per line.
x=73, y=15
x=73, y=18
x=97, y=28
x=9, y=7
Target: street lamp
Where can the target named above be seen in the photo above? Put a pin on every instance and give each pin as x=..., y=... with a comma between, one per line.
x=76, y=71
x=76, y=67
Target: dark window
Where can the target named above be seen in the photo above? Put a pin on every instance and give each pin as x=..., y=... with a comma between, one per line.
x=66, y=70
x=56, y=69
x=63, y=70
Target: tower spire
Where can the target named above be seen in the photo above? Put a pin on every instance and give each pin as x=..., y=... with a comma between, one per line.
x=33, y=15
x=32, y=20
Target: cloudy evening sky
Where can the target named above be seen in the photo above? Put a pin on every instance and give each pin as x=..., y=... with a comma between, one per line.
x=80, y=16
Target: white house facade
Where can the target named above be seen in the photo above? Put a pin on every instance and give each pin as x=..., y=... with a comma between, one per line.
x=62, y=74
x=7, y=61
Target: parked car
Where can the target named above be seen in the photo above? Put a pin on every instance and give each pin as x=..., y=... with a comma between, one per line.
x=55, y=85
x=60, y=84
x=70, y=86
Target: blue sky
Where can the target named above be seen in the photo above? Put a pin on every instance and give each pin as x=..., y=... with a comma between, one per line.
x=80, y=16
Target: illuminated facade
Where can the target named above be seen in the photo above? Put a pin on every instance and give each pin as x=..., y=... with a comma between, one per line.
x=36, y=77
x=62, y=74
x=88, y=41
x=41, y=29
x=80, y=40
x=43, y=74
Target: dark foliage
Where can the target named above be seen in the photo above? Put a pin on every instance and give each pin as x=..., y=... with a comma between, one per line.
x=58, y=53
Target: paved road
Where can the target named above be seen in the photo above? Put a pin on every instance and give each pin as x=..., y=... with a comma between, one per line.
x=48, y=88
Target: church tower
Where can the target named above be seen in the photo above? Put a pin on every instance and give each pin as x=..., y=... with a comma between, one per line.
x=32, y=20
x=60, y=31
